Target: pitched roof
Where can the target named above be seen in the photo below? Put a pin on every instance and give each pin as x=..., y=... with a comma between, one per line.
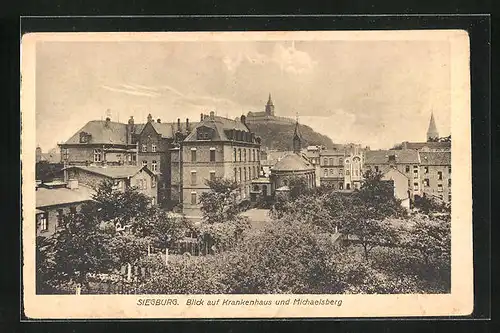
x=219, y=125
x=114, y=172
x=293, y=162
x=164, y=129
x=404, y=156
x=431, y=145
x=58, y=196
x=102, y=132
x=435, y=157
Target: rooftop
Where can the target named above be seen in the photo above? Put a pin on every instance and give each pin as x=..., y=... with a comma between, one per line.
x=46, y=197
x=435, y=157
x=293, y=162
x=219, y=125
x=403, y=156
x=115, y=172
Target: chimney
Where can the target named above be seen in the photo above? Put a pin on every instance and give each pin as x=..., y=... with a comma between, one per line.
x=187, y=125
x=178, y=124
x=150, y=118
x=212, y=115
x=131, y=120
x=158, y=121
x=243, y=119
x=72, y=184
x=201, y=116
x=108, y=120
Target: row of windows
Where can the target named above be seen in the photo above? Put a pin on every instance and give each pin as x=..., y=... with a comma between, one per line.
x=426, y=170
x=194, y=155
x=331, y=172
x=194, y=177
x=43, y=219
x=426, y=183
x=243, y=193
x=331, y=160
x=241, y=155
x=144, y=148
x=252, y=173
x=154, y=165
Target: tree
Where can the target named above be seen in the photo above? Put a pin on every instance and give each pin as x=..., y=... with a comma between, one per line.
x=367, y=213
x=219, y=203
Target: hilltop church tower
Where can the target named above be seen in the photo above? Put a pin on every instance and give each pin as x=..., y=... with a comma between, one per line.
x=270, y=107
x=432, y=132
x=297, y=138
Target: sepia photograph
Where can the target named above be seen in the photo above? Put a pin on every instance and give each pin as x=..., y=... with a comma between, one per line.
x=249, y=174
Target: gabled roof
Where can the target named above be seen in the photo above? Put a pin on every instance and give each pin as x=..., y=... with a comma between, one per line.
x=393, y=172
x=403, y=156
x=164, y=129
x=435, y=158
x=102, y=132
x=431, y=145
x=219, y=125
x=113, y=172
x=59, y=196
x=293, y=162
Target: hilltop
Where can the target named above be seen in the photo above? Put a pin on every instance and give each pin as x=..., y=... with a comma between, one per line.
x=278, y=135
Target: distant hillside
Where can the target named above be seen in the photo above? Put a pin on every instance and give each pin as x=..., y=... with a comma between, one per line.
x=279, y=136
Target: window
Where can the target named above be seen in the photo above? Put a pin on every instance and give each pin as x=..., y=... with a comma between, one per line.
x=97, y=155
x=426, y=169
x=449, y=182
x=245, y=174
x=255, y=172
x=376, y=168
x=240, y=175
x=331, y=161
x=193, y=155
x=235, y=175
x=449, y=169
x=426, y=182
x=415, y=173
x=65, y=153
x=347, y=173
x=258, y=156
x=43, y=222
x=244, y=155
x=341, y=172
x=212, y=175
x=326, y=172
x=153, y=182
x=346, y=161
x=440, y=175
x=341, y=186
x=153, y=148
x=72, y=210
x=408, y=183
x=449, y=197
x=253, y=154
x=341, y=161
x=193, y=177
x=407, y=169
x=440, y=187
x=212, y=154
x=325, y=161
x=250, y=173
x=144, y=163
x=235, y=155
x=153, y=201
x=239, y=153
x=60, y=217
x=153, y=165
x=144, y=148
x=415, y=186
x=193, y=198
x=348, y=186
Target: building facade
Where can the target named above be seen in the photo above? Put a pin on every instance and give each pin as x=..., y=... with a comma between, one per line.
x=55, y=200
x=123, y=177
x=217, y=147
x=435, y=170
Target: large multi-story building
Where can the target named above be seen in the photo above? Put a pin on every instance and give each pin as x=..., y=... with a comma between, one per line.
x=217, y=147
x=435, y=171
x=107, y=143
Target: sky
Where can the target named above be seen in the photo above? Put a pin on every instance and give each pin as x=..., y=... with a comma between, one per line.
x=376, y=93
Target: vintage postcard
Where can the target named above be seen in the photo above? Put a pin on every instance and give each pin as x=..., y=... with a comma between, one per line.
x=246, y=174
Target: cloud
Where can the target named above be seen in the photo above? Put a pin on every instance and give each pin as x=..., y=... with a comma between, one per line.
x=338, y=125
x=287, y=58
x=291, y=60
x=130, y=91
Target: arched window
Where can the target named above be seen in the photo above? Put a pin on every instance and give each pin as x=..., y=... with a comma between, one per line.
x=325, y=161
x=331, y=161
x=239, y=152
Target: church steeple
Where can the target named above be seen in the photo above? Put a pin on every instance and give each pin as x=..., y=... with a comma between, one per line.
x=270, y=106
x=432, y=132
x=297, y=138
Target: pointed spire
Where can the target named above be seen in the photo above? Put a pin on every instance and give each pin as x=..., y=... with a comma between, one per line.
x=432, y=132
x=270, y=101
x=297, y=137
